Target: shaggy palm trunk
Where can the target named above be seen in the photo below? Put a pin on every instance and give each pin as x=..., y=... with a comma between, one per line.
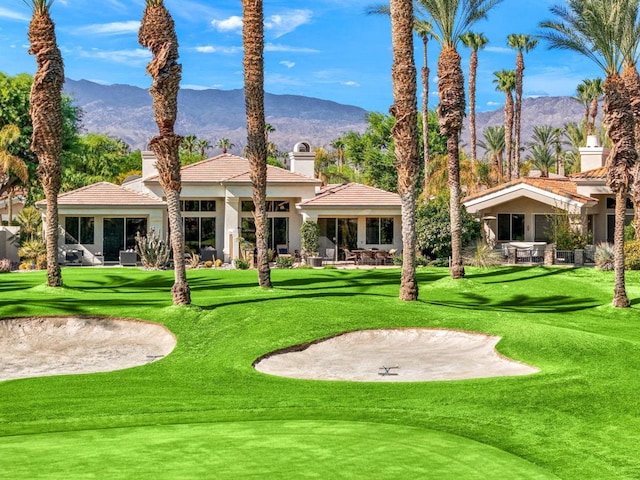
x=425, y=115
x=508, y=134
x=253, y=39
x=518, y=114
x=618, y=119
x=632, y=82
x=593, y=113
x=450, y=116
x=473, y=69
x=157, y=32
x=47, y=121
x=405, y=136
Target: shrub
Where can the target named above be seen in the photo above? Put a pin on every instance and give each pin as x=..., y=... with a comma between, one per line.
x=284, y=261
x=632, y=255
x=604, y=256
x=629, y=233
x=34, y=253
x=397, y=260
x=480, y=254
x=194, y=260
x=218, y=262
x=208, y=264
x=154, y=252
x=309, y=233
x=241, y=264
x=5, y=265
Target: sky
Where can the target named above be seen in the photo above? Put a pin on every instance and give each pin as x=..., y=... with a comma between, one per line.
x=328, y=49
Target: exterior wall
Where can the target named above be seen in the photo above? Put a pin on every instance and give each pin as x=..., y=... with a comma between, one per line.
x=8, y=248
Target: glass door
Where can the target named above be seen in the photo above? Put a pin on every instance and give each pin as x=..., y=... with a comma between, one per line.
x=113, y=238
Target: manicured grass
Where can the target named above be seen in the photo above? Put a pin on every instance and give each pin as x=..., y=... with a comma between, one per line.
x=204, y=412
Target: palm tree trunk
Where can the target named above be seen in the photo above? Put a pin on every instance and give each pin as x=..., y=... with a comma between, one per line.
x=253, y=39
x=473, y=69
x=405, y=135
x=632, y=82
x=518, y=113
x=508, y=134
x=451, y=115
x=47, y=121
x=618, y=118
x=425, y=114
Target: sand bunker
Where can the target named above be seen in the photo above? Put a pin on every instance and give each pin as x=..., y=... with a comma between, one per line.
x=38, y=347
x=394, y=355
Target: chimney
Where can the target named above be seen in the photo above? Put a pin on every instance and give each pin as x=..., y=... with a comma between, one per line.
x=303, y=160
x=148, y=164
x=593, y=155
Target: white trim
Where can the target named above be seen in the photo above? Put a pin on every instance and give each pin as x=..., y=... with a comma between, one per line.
x=493, y=198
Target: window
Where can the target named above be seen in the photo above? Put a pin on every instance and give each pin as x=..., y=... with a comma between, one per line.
x=79, y=230
x=543, y=228
x=277, y=231
x=510, y=226
x=198, y=205
x=611, y=225
x=271, y=205
x=611, y=203
x=379, y=231
x=199, y=232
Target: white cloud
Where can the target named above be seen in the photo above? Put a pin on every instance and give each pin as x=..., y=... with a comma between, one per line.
x=288, y=64
x=214, y=49
x=133, y=57
x=351, y=84
x=195, y=87
x=493, y=104
x=272, y=47
x=13, y=15
x=231, y=24
x=500, y=50
x=283, y=23
x=114, y=28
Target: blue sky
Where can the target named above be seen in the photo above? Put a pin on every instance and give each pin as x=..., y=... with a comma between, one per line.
x=328, y=49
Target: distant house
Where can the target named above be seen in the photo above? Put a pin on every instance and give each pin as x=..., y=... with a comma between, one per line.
x=520, y=210
x=101, y=220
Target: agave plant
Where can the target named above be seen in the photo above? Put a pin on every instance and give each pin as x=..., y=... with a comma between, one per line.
x=604, y=256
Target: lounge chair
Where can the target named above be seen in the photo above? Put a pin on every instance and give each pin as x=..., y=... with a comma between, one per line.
x=349, y=255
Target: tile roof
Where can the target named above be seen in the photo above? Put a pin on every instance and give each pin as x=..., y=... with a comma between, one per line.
x=352, y=195
x=106, y=194
x=596, y=173
x=565, y=188
x=227, y=168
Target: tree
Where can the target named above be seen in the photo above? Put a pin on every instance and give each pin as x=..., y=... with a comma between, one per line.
x=494, y=145
x=12, y=168
x=157, y=32
x=257, y=129
x=541, y=158
x=268, y=129
x=474, y=41
x=423, y=29
x=594, y=88
x=522, y=43
x=451, y=18
x=47, y=122
x=189, y=144
x=505, y=81
x=224, y=144
x=597, y=30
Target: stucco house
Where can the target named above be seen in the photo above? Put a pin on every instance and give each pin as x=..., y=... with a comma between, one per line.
x=101, y=220
x=519, y=211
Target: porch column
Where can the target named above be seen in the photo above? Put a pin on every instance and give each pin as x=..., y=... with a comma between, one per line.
x=231, y=228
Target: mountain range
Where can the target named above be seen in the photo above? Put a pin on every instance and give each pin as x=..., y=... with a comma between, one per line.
x=125, y=112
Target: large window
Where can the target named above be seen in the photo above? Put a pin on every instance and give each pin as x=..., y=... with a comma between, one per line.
x=198, y=205
x=277, y=231
x=79, y=230
x=611, y=225
x=271, y=205
x=543, y=228
x=379, y=231
x=199, y=232
x=510, y=227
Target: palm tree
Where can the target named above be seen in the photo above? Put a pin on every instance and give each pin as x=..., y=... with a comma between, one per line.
x=493, y=145
x=203, y=145
x=257, y=129
x=521, y=43
x=597, y=30
x=423, y=29
x=594, y=87
x=157, y=32
x=268, y=129
x=47, y=121
x=451, y=18
x=12, y=168
x=541, y=158
x=583, y=97
x=505, y=81
x=189, y=144
x=224, y=144
x=474, y=41
x=405, y=136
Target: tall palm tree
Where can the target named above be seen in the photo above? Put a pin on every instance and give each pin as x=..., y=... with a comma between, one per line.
x=541, y=158
x=451, y=18
x=257, y=129
x=505, y=81
x=189, y=144
x=522, y=43
x=594, y=87
x=493, y=145
x=423, y=29
x=597, y=30
x=583, y=97
x=268, y=129
x=474, y=41
x=224, y=144
x=47, y=121
x=405, y=136
x=203, y=145
x=157, y=32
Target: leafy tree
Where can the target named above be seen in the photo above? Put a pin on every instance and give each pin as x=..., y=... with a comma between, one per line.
x=494, y=145
x=12, y=168
x=224, y=144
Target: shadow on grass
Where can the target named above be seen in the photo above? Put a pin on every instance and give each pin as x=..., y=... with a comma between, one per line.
x=525, y=273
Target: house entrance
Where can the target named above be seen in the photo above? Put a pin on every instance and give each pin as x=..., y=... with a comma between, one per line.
x=338, y=233
x=120, y=234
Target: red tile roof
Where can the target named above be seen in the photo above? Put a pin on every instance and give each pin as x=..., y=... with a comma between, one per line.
x=563, y=187
x=596, y=173
x=227, y=168
x=108, y=195
x=352, y=195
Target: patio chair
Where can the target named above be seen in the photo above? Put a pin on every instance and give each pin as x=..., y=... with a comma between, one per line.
x=349, y=255
x=381, y=257
x=329, y=255
x=282, y=249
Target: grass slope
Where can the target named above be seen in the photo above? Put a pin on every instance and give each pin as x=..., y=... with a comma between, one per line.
x=204, y=412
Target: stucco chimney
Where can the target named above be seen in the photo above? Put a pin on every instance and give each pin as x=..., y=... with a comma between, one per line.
x=303, y=160
x=148, y=164
x=593, y=155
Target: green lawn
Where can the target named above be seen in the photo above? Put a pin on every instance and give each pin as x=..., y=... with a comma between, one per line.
x=203, y=412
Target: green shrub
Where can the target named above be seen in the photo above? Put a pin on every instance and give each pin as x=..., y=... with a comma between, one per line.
x=34, y=252
x=629, y=233
x=241, y=264
x=604, y=256
x=153, y=251
x=309, y=233
x=284, y=261
x=480, y=254
x=632, y=255
x=397, y=260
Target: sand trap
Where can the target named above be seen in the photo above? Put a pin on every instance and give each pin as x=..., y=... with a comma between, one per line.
x=394, y=355
x=38, y=347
